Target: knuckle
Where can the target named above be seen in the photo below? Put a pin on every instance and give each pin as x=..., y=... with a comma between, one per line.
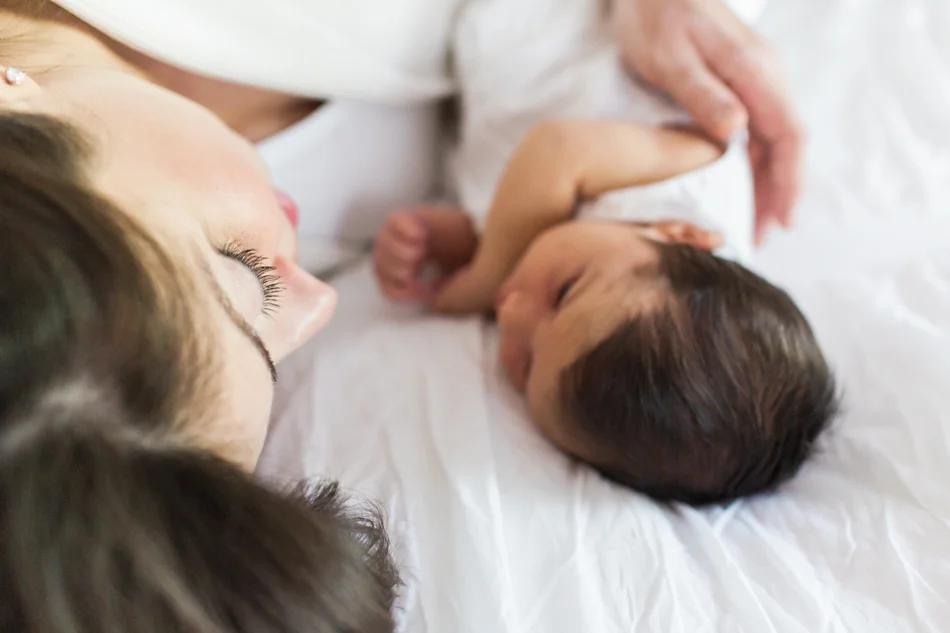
x=735, y=57
x=681, y=74
x=670, y=68
x=670, y=21
x=656, y=49
x=650, y=71
x=764, y=55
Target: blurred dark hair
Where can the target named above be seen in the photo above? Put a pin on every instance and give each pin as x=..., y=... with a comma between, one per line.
x=106, y=533
x=90, y=305
x=718, y=393
x=109, y=523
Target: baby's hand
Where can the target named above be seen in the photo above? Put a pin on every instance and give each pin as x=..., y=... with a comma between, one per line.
x=399, y=255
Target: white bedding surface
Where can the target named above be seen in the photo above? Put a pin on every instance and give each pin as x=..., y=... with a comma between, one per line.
x=499, y=533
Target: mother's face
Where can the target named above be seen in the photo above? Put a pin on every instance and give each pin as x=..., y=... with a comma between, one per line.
x=205, y=195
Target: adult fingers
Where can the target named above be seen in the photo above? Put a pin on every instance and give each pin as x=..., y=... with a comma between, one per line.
x=778, y=176
x=750, y=67
x=682, y=73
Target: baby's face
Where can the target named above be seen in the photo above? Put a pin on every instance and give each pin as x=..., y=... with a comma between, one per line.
x=574, y=287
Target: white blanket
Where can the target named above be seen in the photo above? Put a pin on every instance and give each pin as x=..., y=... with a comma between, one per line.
x=499, y=533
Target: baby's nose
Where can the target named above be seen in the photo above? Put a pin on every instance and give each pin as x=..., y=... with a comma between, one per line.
x=508, y=307
x=517, y=314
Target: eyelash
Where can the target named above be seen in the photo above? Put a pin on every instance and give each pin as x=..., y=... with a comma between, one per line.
x=272, y=287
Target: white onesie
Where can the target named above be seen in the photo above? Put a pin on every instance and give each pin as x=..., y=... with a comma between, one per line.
x=561, y=63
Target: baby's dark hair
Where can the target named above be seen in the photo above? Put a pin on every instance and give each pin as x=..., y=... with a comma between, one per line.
x=109, y=521
x=718, y=393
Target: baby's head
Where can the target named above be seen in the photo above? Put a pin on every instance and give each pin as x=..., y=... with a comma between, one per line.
x=668, y=369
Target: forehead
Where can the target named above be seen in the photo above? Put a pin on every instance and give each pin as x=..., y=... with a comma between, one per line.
x=170, y=162
x=601, y=304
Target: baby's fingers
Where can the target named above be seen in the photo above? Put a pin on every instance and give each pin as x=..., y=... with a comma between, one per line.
x=399, y=258
x=402, y=290
x=407, y=226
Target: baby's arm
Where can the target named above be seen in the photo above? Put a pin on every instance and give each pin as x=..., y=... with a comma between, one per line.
x=558, y=165
x=413, y=238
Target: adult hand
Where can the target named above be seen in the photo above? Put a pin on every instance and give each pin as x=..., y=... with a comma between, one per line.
x=727, y=77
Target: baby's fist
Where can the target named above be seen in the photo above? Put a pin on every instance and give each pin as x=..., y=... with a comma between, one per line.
x=399, y=255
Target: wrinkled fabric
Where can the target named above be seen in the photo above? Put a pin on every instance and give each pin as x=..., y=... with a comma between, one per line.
x=498, y=532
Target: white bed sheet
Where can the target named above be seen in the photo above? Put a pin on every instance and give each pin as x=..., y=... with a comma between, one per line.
x=499, y=533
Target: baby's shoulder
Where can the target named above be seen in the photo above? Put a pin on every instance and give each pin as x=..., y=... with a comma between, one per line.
x=717, y=197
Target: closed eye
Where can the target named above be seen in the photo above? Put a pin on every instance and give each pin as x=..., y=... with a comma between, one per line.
x=272, y=287
x=562, y=293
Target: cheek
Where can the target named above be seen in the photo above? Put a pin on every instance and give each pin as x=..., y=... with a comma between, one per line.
x=246, y=396
x=513, y=357
x=543, y=403
x=553, y=353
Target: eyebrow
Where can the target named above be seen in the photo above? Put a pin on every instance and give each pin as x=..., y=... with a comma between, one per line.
x=241, y=323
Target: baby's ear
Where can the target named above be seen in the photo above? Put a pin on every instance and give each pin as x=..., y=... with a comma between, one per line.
x=685, y=233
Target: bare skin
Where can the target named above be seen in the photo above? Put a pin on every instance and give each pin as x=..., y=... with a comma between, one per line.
x=557, y=285
x=728, y=77
x=558, y=165
x=254, y=113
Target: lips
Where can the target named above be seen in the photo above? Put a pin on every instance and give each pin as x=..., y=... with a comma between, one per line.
x=288, y=206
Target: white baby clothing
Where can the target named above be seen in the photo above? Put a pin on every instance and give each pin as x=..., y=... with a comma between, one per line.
x=543, y=61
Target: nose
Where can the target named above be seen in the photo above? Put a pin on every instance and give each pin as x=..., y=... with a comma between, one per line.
x=517, y=320
x=515, y=314
x=306, y=306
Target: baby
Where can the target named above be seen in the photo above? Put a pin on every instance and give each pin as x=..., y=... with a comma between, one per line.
x=669, y=369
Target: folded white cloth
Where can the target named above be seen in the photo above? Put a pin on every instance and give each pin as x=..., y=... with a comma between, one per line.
x=392, y=51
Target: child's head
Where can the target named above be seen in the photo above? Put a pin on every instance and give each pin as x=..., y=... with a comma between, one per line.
x=670, y=370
